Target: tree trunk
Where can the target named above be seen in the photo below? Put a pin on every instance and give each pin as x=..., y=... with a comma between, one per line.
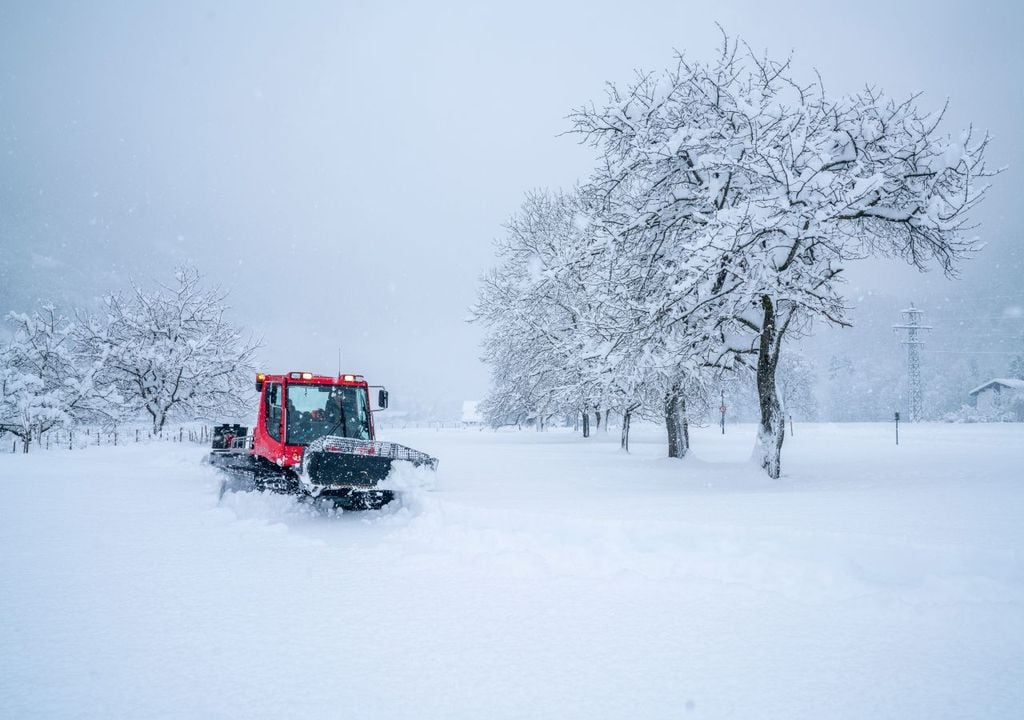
x=624, y=441
x=676, y=424
x=686, y=425
x=772, y=429
x=586, y=424
x=597, y=416
x=26, y=440
x=670, y=426
x=158, y=417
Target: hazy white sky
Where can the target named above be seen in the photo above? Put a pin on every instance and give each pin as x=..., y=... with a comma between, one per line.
x=342, y=168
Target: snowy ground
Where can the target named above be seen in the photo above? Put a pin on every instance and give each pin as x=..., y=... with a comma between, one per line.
x=544, y=576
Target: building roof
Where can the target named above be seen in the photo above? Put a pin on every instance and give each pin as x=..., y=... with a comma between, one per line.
x=1010, y=383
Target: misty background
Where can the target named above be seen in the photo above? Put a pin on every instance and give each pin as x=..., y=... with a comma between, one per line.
x=342, y=170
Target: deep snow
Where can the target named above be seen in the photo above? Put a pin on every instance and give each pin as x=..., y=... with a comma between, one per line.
x=543, y=576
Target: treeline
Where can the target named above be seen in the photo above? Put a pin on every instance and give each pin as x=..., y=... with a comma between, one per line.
x=726, y=199
x=152, y=355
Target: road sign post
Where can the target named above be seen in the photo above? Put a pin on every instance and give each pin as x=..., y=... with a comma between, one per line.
x=722, y=409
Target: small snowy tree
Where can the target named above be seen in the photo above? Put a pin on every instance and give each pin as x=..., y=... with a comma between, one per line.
x=755, y=189
x=26, y=407
x=172, y=351
x=1016, y=367
x=796, y=380
x=47, y=379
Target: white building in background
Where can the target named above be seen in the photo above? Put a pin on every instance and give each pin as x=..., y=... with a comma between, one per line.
x=471, y=417
x=1000, y=395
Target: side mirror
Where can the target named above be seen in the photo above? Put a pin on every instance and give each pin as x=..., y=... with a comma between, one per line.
x=382, y=398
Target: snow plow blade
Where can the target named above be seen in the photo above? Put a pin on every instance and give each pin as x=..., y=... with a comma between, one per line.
x=339, y=466
x=338, y=470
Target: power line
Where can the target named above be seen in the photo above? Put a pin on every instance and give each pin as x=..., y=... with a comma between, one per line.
x=977, y=352
x=1000, y=318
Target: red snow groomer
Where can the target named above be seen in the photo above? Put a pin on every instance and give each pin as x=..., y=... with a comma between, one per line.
x=313, y=437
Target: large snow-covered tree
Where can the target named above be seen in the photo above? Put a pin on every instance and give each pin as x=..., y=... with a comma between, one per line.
x=172, y=350
x=752, y=189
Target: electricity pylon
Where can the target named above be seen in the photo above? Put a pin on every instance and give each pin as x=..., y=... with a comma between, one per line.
x=912, y=324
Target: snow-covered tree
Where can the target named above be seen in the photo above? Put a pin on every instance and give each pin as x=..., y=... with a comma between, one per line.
x=645, y=331
x=172, y=350
x=521, y=387
x=561, y=308
x=1016, y=367
x=537, y=304
x=751, y=189
x=796, y=380
x=27, y=408
x=47, y=380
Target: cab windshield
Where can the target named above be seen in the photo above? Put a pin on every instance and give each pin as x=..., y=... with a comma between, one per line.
x=317, y=410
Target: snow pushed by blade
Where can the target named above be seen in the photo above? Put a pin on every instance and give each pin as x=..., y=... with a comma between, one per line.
x=534, y=574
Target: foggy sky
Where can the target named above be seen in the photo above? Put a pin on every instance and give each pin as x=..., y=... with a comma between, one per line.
x=343, y=168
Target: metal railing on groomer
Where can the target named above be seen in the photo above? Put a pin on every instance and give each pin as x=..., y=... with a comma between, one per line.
x=378, y=448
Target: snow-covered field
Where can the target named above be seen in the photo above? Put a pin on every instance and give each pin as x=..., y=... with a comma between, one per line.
x=543, y=576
